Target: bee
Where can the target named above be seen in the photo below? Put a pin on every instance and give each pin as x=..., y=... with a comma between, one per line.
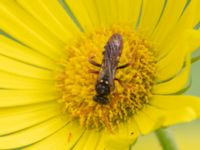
x=106, y=76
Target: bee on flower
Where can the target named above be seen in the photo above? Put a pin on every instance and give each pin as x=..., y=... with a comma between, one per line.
x=94, y=74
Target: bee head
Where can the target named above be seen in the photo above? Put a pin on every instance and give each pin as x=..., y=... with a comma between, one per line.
x=100, y=99
x=102, y=87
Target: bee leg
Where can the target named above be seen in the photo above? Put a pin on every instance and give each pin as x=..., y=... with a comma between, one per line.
x=92, y=90
x=90, y=59
x=124, y=65
x=119, y=81
x=93, y=71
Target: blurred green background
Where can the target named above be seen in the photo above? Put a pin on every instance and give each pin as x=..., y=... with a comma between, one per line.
x=187, y=135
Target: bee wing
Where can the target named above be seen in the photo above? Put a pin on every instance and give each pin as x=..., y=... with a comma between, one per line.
x=112, y=53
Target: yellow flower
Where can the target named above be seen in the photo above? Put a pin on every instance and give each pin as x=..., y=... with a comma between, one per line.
x=46, y=90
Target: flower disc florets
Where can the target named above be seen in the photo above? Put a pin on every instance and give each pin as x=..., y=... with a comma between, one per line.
x=77, y=83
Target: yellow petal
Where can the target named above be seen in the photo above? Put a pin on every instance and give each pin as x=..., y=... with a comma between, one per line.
x=17, y=67
x=159, y=113
x=145, y=123
x=17, y=118
x=175, y=109
x=74, y=134
x=186, y=21
x=106, y=11
x=193, y=37
x=12, y=49
x=175, y=102
x=12, y=81
x=81, y=13
x=22, y=26
x=170, y=65
x=177, y=32
x=85, y=12
x=186, y=44
x=65, y=138
x=32, y=134
x=57, y=141
x=168, y=20
x=10, y=98
x=176, y=84
x=101, y=143
x=171, y=117
x=52, y=16
x=125, y=12
x=126, y=135
x=152, y=10
x=88, y=141
x=179, y=116
x=94, y=14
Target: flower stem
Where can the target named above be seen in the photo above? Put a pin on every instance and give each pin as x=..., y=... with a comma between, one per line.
x=166, y=140
x=195, y=59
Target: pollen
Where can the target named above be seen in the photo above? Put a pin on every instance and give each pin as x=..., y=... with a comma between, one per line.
x=77, y=83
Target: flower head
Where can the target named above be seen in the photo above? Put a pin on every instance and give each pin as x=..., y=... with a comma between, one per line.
x=48, y=84
x=131, y=90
